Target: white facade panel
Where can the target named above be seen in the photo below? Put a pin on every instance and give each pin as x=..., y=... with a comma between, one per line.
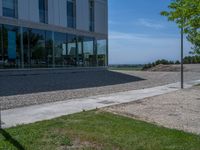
x=57, y=13
x=34, y=10
x=63, y=13
x=82, y=15
x=23, y=9
x=1, y=10
x=101, y=16
x=51, y=11
x=56, y=10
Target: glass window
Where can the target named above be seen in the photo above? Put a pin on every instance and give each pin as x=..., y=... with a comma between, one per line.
x=43, y=11
x=10, y=8
x=49, y=48
x=10, y=52
x=26, y=46
x=40, y=48
x=72, y=50
x=71, y=13
x=80, y=56
x=88, y=50
x=102, y=52
x=60, y=49
x=91, y=13
x=1, y=48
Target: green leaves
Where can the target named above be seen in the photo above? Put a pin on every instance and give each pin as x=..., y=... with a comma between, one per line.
x=186, y=14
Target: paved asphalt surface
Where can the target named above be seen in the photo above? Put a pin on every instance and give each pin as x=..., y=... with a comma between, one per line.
x=25, y=83
x=22, y=88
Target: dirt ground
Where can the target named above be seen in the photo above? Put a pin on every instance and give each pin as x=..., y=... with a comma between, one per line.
x=178, y=110
x=176, y=68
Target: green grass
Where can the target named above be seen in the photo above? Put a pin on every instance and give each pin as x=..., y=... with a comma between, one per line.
x=96, y=129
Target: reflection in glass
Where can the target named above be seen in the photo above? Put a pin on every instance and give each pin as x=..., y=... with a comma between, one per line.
x=10, y=53
x=26, y=46
x=88, y=50
x=38, y=51
x=60, y=49
x=71, y=49
x=80, y=56
x=1, y=48
x=49, y=48
x=101, y=52
x=37, y=48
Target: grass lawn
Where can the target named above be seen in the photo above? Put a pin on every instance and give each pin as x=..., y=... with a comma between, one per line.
x=95, y=129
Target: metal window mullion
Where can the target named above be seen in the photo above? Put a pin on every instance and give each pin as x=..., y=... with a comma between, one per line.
x=22, y=47
x=53, y=48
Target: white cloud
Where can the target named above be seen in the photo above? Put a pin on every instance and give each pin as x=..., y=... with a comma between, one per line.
x=149, y=23
x=141, y=38
x=113, y=35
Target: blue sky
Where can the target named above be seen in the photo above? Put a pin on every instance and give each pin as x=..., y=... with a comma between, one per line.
x=138, y=34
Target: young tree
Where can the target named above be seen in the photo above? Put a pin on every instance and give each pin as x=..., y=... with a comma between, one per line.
x=186, y=13
x=177, y=62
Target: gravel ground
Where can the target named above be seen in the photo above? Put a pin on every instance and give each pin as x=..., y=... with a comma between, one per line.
x=19, y=89
x=178, y=110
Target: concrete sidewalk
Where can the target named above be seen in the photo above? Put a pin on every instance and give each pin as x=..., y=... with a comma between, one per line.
x=31, y=114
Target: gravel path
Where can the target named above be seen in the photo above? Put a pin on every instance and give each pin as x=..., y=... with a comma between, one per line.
x=178, y=110
x=19, y=89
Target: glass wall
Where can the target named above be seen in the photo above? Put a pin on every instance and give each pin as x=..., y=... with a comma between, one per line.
x=41, y=52
x=71, y=50
x=45, y=49
x=60, y=49
x=80, y=56
x=88, y=51
x=37, y=48
x=10, y=8
x=26, y=48
x=49, y=48
x=1, y=49
x=102, y=52
x=10, y=56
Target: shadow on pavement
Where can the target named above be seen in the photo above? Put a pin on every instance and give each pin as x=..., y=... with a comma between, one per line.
x=39, y=81
x=11, y=140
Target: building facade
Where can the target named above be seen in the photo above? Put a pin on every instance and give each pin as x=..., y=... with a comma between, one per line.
x=53, y=33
